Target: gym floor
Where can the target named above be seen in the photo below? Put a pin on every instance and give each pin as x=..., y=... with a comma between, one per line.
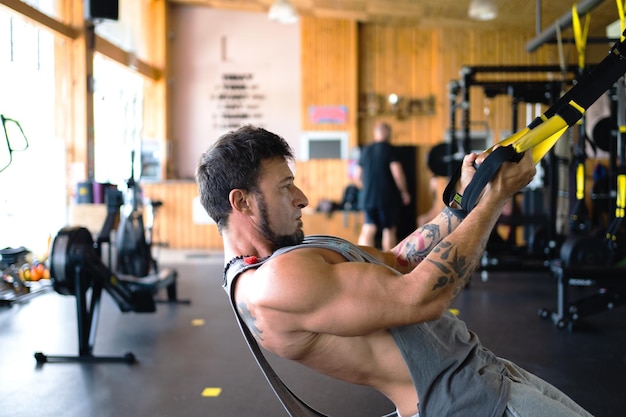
x=193, y=361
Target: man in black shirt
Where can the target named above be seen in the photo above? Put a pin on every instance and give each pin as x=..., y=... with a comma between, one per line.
x=383, y=189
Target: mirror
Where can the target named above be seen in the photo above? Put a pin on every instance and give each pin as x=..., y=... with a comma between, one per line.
x=14, y=140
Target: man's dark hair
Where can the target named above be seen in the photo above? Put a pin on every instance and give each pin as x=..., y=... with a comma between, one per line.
x=234, y=161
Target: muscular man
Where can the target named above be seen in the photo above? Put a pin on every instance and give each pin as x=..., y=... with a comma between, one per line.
x=357, y=314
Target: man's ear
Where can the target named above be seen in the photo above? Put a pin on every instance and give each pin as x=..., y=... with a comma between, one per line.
x=239, y=200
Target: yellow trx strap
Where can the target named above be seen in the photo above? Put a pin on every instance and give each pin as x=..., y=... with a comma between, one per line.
x=580, y=35
x=621, y=196
x=540, y=139
x=620, y=12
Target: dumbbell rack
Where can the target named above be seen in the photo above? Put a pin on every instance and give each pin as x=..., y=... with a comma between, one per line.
x=22, y=292
x=10, y=297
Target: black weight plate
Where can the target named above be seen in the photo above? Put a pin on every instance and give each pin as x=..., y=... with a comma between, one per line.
x=584, y=251
x=441, y=159
x=70, y=241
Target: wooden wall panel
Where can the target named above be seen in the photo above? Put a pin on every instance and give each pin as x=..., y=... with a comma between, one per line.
x=175, y=226
x=329, y=65
x=415, y=63
x=174, y=223
x=346, y=225
x=322, y=179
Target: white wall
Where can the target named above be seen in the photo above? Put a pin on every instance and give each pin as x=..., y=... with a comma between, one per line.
x=207, y=43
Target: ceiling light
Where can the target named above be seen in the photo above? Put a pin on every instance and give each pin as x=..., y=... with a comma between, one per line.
x=482, y=10
x=282, y=11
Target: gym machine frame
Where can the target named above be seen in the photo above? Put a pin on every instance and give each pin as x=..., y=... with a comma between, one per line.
x=595, y=269
x=76, y=267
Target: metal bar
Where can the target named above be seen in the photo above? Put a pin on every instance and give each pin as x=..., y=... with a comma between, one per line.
x=590, y=40
x=538, y=17
x=563, y=22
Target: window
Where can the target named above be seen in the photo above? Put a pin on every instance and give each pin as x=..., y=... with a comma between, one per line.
x=118, y=118
x=33, y=187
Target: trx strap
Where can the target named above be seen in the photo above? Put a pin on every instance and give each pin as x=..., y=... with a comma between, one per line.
x=579, y=215
x=620, y=12
x=543, y=132
x=580, y=35
x=293, y=404
x=620, y=202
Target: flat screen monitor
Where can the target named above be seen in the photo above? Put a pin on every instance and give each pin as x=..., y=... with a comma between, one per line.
x=324, y=145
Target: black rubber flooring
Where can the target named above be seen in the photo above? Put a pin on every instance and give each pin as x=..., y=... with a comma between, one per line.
x=192, y=360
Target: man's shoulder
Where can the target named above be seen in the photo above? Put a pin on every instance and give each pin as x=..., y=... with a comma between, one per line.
x=300, y=266
x=297, y=258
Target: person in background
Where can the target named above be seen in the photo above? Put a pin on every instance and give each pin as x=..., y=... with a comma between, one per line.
x=354, y=313
x=383, y=186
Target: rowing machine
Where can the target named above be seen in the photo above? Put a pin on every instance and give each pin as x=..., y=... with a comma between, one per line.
x=76, y=268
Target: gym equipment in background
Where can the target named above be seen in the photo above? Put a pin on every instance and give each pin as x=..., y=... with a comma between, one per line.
x=77, y=268
x=21, y=279
x=593, y=262
x=134, y=239
x=539, y=137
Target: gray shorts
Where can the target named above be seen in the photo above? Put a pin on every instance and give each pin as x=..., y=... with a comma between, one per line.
x=531, y=396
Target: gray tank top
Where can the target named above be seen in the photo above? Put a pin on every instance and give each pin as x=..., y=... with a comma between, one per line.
x=454, y=375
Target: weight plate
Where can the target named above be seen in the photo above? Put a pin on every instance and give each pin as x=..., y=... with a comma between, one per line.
x=69, y=242
x=584, y=251
x=442, y=159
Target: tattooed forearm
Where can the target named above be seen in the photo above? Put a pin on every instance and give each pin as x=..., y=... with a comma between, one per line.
x=450, y=215
x=419, y=245
x=250, y=321
x=455, y=268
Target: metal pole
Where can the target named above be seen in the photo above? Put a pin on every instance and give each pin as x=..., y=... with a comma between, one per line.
x=563, y=22
x=538, y=17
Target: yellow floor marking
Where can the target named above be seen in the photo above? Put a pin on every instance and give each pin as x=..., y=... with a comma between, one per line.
x=211, y=392
x=197, y=322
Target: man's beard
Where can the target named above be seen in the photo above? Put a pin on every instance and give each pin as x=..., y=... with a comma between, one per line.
x=279, y=241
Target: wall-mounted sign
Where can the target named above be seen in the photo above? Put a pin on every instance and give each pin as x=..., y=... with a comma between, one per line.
x=328, y=114
x=237, y=98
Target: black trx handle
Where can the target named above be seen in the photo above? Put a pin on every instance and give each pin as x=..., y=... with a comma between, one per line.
x=484, y=173
x=543, y=132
